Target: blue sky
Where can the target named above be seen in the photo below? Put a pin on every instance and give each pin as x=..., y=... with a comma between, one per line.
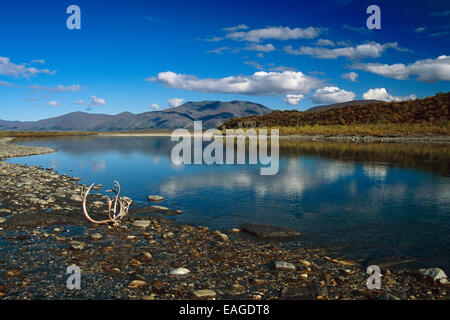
x=142, y=56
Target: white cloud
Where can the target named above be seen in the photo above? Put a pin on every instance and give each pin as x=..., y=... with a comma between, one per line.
x=350, y=76
x=219, y=50
x=7, y=68
x=427, y=70
x=383, y=95
x=54, y=103
x=293, y=99
x=236, y=28
x=155, y=106
x=278, y=33
x=95, y=101
x=175, y=102
x=332, y=95
x=420, y=29
x=6, y=84
x=260, y=83
x=40, y=61
x=254, y=64
x=58, y=88
x=325, y=43
x=365, y=50
x=261, y=47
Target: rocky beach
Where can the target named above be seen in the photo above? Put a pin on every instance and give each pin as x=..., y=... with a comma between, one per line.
x=148, y=256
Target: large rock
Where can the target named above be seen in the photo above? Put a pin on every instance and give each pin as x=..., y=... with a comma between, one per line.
x=436, y=274
x=268, y=231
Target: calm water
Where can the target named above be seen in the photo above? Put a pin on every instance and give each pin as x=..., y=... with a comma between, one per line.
x=374, y=200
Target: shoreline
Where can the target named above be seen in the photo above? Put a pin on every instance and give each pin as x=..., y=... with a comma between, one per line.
x=441, y=139
x=45, y=231
x=435, y=139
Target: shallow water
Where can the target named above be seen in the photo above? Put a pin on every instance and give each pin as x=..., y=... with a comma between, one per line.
x=373, y=200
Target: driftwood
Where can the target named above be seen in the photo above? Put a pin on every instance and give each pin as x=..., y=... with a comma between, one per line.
x=117, y=206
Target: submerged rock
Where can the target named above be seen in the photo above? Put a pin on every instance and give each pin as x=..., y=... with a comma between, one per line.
x=155, y=198
x=269, y=231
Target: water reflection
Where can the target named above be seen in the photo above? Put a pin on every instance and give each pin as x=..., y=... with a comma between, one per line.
x=373, y=199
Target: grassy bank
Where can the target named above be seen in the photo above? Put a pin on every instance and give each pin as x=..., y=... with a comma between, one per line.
x=384, y=129
x=38, y=134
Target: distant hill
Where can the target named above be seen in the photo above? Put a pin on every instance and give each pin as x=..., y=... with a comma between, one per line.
x=211, y=113
x=430, y=111
x=342, y=105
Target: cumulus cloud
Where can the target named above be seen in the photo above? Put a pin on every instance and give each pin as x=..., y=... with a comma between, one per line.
x=350, y=76
x=365, y=50
x=95, y=101
x=325, y=43
x=254, y=64
x=7, y=68
x=175, y=102
x=332, y=95
x=40, y=61
x=58, y=88
x=427, y=70
x=261, y=47
x=54, y=103
x=420, y=29
x=6, y=84
x=278, y=33
x=236, y=28
x=293, y=99
x=260, y=83
x=383, y=95
x=155, y=106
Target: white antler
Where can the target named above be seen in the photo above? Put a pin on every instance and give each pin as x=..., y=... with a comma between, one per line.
x=114, y=217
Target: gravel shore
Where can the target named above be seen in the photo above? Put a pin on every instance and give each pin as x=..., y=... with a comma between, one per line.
x=43, y=231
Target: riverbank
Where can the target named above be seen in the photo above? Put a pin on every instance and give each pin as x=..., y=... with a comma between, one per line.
x=417, y=138
x=43, y=231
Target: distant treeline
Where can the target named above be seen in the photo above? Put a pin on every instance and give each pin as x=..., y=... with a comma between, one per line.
x=429, y=115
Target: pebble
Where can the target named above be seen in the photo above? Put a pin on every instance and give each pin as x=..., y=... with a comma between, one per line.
x=141, y=223
x=179, y=271
x=2, y=219
x=96, y=236
x=388, y=296
x=77, y=245
x=146, y=256
x=137, y=284
x=282, y=265
x=203, y=294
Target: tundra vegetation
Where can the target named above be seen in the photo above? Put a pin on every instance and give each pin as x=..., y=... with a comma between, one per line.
x=428, y=116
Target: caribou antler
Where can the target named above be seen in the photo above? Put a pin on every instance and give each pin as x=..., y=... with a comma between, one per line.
x=114, y=216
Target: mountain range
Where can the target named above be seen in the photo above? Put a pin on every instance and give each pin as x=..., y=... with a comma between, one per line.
x=211, y=113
